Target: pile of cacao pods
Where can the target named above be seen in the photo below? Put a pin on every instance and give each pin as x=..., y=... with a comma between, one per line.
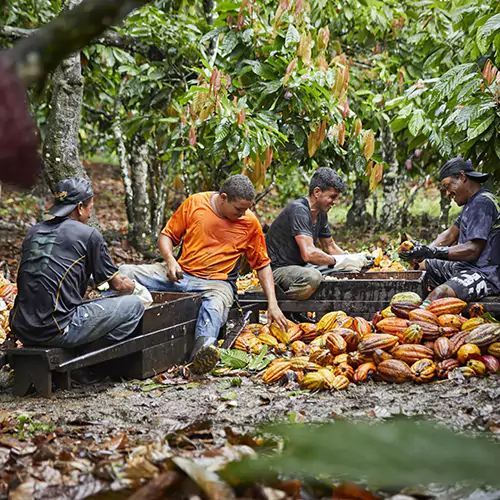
x=8, y=292
x=402, y=343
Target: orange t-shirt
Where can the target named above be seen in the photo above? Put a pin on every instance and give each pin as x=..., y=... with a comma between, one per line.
x=212, y=244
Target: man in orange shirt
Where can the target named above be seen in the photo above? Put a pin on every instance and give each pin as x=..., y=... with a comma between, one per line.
x=215, y=230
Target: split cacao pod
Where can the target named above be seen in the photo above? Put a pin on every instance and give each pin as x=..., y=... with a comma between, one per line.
x=412, y=335
x=451, y=320
x=335, y=343
x=242, y=342
x=280, y=348
x=321, y=357
x=268, y=339
x=362, y=326
x=492, y=363
x=478, y=366
x=329, y=321
x=472, y=323
x=402, y=309
x=380, y=355
x=277, y=332
x=447, y=305
x=364, y=372
x=465, y=371
x=407, y=297
x=476, y=310
x=351, y=337
x=443, y=348
x=394, y=370
x=494, y=349
x=377, y=341
x=430, y=331
x=275, y=371
x=295, y=333
x=313, y=381
x=423, y=371
x=466, y=351
x=483, y=335
x=393, y=326
x=411, y=353
x=444, y=367
x=298, y=347
x=423, y=315
x=345, y=370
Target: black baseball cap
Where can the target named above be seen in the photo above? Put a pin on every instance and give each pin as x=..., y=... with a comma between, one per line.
x=70, y=192
x=457, y=165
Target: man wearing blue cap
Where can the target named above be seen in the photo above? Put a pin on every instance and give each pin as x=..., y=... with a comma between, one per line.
x=58, y=258
x=464, y=260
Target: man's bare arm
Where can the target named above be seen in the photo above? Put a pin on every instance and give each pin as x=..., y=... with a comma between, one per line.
x=447, y=238
x=329, y=246
x=312, y=254
x=166, y=247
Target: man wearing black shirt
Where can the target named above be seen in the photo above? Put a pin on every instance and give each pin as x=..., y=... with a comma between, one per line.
x=300, y=238
x=58, y=258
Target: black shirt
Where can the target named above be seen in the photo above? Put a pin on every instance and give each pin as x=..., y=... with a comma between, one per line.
x=58, y=258
x=295, y=219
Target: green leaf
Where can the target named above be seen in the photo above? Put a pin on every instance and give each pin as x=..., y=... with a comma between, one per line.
x=228, y=44
x=486, y=32
x=416, y=122
x=292, y=35
x=260, y=362
x=229, y=396
x=234, y=358
x=222, y=130
x=452, y=79
x=478, y=126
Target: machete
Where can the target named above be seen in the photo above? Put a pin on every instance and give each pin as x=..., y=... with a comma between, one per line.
x=234, y=329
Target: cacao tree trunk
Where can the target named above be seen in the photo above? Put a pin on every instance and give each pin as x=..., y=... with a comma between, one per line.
x=358, y=216
x=444, y=214
x=389, y=214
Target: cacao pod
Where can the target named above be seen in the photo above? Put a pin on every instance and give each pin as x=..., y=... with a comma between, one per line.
x=268, y=339
x=344, y=322
x=377, y=341
x=423, y=315
x=447, y=305
x=412, y=335
x=394, y=370
x=423, y=371
x=277, y=332
x=355, y=359
x=394, y=326
x=295, y=333
x=364, y=372
x=406, y=246
x=341, y=358
x=445, y=366
x=478, y=366
x=344, y=369
x=321, y=357
x=448, y=331
x=458, y=340
x=339, y=383
x=376, y=318
x=320, y=340
x=299, y=375
x=492, y=363
x=402, y=309
x=313, y=381
x=351, y=337
x=298, y=347
x=410, y=353
x=387, y=313
x=255, y=328
x=299, y=362
x=255, y=345
x=472, y=323
x=443, y=348
x=380, y=355
x=466, y=351
x=407, y=297
x=275, y=371
x=430, y=331
x=476, y=310
x=280, y=348
x=242, y=342
x=494, y=349
x=335, y=343
x=313, y=367
x=328, y=377
x=362, y=326
x=483, y=335
x=450, y=320
x=466, y=371
x=308, y=327
x=329, y=321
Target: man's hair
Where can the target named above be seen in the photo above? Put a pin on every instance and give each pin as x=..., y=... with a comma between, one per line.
x=326, y=178
x=238, y=187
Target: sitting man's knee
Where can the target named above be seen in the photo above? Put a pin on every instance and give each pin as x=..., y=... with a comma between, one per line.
x=127, y=270
x=314, y=278
x=133, y=305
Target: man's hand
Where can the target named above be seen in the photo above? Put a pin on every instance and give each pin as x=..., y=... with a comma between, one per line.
x=174, y=271
x=122, y=284
x=420, y=252
x=274, y=314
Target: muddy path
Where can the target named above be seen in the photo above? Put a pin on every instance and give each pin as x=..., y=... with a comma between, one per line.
x=153, y=410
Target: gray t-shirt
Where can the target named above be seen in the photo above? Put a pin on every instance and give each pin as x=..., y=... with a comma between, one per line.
x=295, y=219
x=480, y=220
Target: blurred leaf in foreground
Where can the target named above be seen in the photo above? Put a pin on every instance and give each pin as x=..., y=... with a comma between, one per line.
x=389, y=453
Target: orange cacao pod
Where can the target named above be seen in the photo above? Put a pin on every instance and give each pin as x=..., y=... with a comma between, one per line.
x=280, y=348
x=356, y=359
x=321, y=357
x=402, y=309
x=377, y=341
x=423, y=371
x=476, y=310
x=362, y=326
x=364, y=372
x=443, y=348
x=410, y=353
x=466, y=351
x=351, y=337
x=298, y=347
x=494, y=349
x=394, y=370
x=412, y=335
x=445, y=366
x=335, y=343
x=423, y=315
x=430, y=331
x=478, y=366
x=255, y=328
x=447, y=305
x=243, y=341
x=393, y=326
x=275, y=371
x=380, y=355
x=295, y=333
x=450, y=320
x=344, y=369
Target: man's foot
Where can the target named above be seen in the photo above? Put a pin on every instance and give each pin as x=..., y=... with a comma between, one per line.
x=204, y=360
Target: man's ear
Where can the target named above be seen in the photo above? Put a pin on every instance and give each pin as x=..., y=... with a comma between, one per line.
x=223, y=196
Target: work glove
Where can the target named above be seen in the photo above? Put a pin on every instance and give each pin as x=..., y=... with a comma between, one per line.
x=420, y=252
x=350, y=262
x=143, y=293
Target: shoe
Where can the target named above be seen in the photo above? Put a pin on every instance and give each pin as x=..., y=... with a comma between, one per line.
x=205, y=356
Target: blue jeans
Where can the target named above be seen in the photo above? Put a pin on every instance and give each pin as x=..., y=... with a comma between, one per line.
x=114, y=318
x=217, y=296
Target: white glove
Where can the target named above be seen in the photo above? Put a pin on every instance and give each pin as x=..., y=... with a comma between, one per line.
x=350, y=262
x=143, y=293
